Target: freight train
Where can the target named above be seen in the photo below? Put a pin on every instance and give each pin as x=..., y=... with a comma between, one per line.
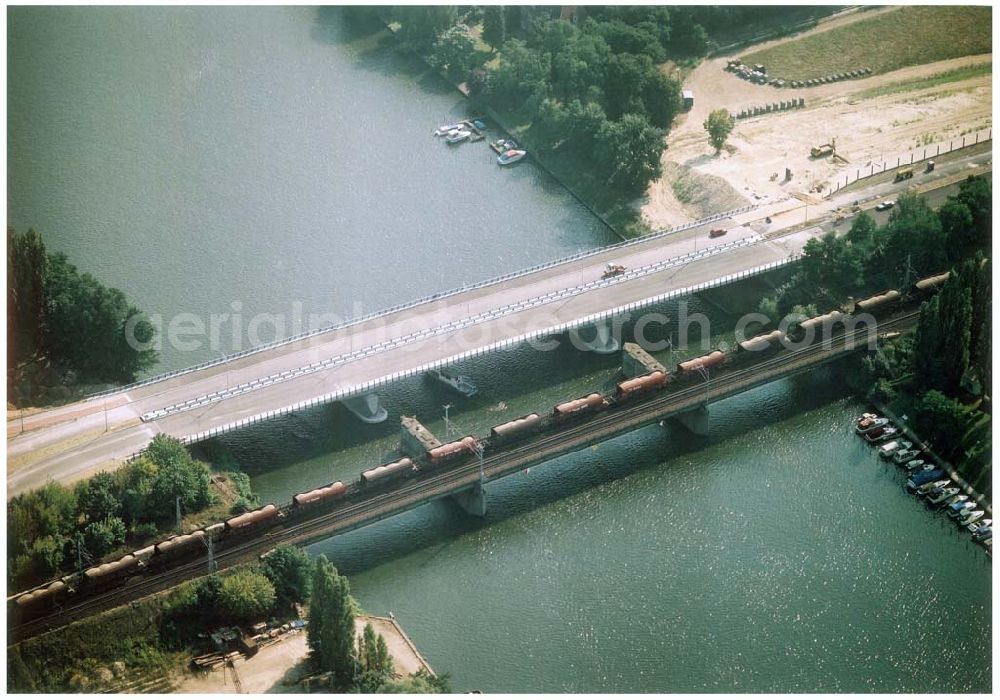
x=156, y=557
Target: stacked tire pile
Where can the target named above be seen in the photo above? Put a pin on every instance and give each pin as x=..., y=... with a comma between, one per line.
x=781, y=106
x=757, y=74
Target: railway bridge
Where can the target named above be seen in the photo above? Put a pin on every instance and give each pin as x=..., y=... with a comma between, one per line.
x=466, y=478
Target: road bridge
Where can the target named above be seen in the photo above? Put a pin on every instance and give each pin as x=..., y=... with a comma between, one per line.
x=358, y=357
x=367, y=506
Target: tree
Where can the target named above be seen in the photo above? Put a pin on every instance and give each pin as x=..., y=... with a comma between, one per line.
x=137, y=478
x=330, y=633
x=630, y=150
x=943, y=421
x=421, y=25
x=454, y=52
x=373, y=655
x=246, y=595
x=661, y=97
x=626, y=77
x=719, y=125
x=494, y=26
x=520, y=73
x=100, y=498
x=914, y=242
x=27, y=266
x=103, y=536
x=177, y=475
x=420, y=682
x=290, y=570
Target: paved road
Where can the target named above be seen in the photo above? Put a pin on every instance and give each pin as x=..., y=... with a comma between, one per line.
x=69, y=442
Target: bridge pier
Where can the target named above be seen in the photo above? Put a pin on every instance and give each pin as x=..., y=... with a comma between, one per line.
x=695, y=420
x=366, y=407
x=604, y=341
x=472, y=500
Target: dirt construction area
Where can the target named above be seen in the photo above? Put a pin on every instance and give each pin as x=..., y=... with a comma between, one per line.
x=279, y=667
x=871, y=120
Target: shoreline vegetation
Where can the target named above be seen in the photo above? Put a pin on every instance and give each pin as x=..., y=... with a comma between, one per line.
x=151, y=641
x=592, y=92
x=58, y=529
x=65, y=330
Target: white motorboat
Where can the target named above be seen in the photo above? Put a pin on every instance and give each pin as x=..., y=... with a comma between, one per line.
x=458, y=136
x=930, y=486
x=890, y=448
x=904, y=456
x=973, y=517
x=446, y=129
x=943, y=496
x=512, y=156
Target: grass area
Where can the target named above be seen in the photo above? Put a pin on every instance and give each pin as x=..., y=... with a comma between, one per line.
x=951, y=76
x=906, y=36
x=82, y=655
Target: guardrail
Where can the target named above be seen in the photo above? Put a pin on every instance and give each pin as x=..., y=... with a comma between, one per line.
x=452, y=326
x=423, y=300
x=929, y=152
x=379, y=382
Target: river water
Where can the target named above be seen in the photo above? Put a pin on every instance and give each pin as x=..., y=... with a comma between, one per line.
x=199, y=157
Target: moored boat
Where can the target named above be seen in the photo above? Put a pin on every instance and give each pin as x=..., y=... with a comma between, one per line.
x=446, y=129
x=871, y=424
x=980, y=527
x=512, y=156
x=932, y=485
x=962, y=510
x=915, y=464
x=904, y=456
x=939, y=500
x=458, y=136
x=922, y=477
x=890, y=448
x=880, y=434
x=973, y=517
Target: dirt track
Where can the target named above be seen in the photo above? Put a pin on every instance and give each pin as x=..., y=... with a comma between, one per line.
x=865, y=129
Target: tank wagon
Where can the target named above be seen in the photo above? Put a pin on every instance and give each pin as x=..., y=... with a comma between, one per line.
x=180, y=545
x=112, y=571
x=515, y=428
x=762, y=342
x=640, y=385
x=879, y=302
x=712, y=359
x=387, y=471
x=586, y=404
x=253, y=519
x=929, y=285
x=325, y=493
x=825, y=322
x=466, y=446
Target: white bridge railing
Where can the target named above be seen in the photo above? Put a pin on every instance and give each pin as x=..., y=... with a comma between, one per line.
x=456, y=325
x=385, y=380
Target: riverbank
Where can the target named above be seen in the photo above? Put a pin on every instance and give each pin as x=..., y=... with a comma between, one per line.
x=478, y=107
x=901, y=423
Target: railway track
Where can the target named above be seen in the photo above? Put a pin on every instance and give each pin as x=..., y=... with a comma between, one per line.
x=345, y=516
